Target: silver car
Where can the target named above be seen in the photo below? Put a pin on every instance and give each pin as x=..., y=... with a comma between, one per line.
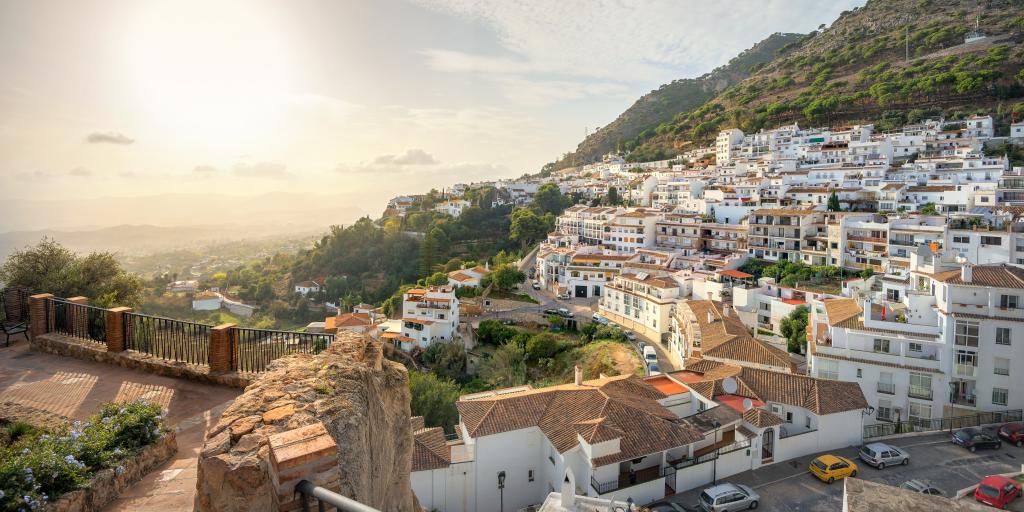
x=921, y=487
x=881, y=455
x=728, y=498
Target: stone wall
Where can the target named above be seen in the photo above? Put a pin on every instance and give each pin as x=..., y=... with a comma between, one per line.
x=107, y=485
x=61, y=345
x=361, y=398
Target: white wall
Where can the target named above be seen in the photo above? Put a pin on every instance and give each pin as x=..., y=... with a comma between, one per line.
x=447, y=489
x=733, y=463
x=694, y=476
x=798, y=446
x=515, y=453
x=641, y=494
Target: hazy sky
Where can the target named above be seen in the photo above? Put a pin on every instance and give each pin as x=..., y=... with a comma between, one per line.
x=358, y=99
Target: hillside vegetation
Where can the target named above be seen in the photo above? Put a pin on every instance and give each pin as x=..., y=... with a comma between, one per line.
x=890, y=62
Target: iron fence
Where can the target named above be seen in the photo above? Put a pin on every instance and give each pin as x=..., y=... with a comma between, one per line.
x=948, y=423
x=707, y=457
x=80, y=321
x=256, y=348
x=166, y=338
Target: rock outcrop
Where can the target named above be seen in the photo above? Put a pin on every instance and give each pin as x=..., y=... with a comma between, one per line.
x=361, y=398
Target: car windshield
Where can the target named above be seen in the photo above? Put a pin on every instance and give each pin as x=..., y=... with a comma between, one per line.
x=819, y=464
x=988, y=491
x=706, y=498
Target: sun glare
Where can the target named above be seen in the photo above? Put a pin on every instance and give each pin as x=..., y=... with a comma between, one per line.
x=216, y=72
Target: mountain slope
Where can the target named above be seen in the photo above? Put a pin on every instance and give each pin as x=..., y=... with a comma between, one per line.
x=659, y=106
x=889, y=62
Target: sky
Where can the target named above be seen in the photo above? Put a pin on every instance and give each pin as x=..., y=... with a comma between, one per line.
x=306, y=102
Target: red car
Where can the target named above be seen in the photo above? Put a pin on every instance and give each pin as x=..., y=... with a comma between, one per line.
x=1013, y=432
x=997, y=491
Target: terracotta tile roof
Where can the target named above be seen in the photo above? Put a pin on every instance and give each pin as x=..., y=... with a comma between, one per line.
x=839, y=310
x=876, y=363
x=429, y=449
x=461, y=276
x=931, y=188
x=416, y=423
x=726, y=337
x=623, y=407
x=735, y=273
x=995, y=276
x=349, y=320
x=761, y=418
x=857, y=323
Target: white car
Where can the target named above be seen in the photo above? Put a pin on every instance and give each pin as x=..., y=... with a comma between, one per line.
x=565, y=296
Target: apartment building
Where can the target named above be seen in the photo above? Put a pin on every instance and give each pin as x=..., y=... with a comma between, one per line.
x=640, y=302
x=587, y=273
x=628, y=231
x=779, y=233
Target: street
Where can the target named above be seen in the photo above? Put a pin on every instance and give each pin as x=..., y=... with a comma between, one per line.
x=788, y=486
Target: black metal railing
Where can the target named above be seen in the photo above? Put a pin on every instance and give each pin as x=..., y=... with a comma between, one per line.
x=80, y=321
x=166, y=338
x=736, y=446
x=948, y=423
x=887, y=388
x=707, y=457
x=327, y=499
x=258, y=347
x=639, y=477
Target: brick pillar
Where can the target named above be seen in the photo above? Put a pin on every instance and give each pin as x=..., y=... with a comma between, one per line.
x=77, y=320
x=39, y=315
x=223, y=340
x=115, y=329
x=305, y=453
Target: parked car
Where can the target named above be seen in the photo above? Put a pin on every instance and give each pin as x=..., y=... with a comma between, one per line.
x=536, y=285
x=650, y=356
x=599, y=319
x=565, y=296
x=829, y=468
x=728, y=498
x=565, y=313
x=921, y=487
x=641, y=346
x=551, y=311
x=974, y=438
x=997, y=490
x=652, y=369
x=1013, y=432
x=631, y=336
x=881, y=455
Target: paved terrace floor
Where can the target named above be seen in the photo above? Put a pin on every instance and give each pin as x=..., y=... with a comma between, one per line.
x=75, y=389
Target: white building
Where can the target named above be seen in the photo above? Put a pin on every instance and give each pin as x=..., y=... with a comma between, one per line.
x=428, y=315
x=453, y=207
x=727, y=145
x=206, y=301
x=307, y=287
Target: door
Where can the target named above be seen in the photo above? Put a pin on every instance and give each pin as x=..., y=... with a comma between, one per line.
x=581, y=291
x=768, y=444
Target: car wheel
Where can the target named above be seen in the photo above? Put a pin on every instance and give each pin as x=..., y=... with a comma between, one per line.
x=830, y=480
x=881, y=465
x=854, y=474
x=999, y=445
x=971, y=449
x=753, y=505
x=1020, y=443
x=905, y=461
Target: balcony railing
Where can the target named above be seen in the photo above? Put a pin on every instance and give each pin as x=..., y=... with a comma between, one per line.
x=921, y=393
x=965, y=370
x=628, y=480
x=963, y=399
x=887, y=388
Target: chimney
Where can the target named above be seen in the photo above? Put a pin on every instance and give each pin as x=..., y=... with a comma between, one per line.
x=578, y=372
x=711, y=318
x=568, y=491
x=966, y=272
x=710, y=295
x=726, y=310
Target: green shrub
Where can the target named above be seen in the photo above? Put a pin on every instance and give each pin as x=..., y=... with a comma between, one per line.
x=38, y=466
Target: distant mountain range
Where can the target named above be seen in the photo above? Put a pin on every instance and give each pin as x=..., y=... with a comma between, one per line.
x=888, y=62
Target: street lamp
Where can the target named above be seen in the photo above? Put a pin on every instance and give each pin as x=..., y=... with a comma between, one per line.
x=501, y=490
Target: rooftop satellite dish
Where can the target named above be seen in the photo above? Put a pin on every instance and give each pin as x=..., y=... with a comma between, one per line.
x=747, y=404
x=729, y=385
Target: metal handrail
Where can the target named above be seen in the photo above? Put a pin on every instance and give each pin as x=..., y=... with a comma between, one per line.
x=326, y=497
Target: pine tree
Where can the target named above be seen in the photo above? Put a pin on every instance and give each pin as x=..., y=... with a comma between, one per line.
x=833, y=202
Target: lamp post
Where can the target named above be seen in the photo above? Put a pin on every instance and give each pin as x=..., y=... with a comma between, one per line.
x=501, y=491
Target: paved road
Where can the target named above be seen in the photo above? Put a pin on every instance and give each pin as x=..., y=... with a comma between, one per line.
x=789, y=487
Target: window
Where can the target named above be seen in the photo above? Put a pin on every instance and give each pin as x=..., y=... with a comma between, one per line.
x=1000, y=396
x=529, y=475
x=920, y=386
x=991, y=240
x=1002, y=335
x=789, y=417
x=920, y=414
x=961, y=239
x=892, y=294
x=828, y=370
x=914, y=347
x=807, y=422
x=1002, y=366
x=1008, y=301
x=884, y=410
x=859, y=373
x=966, y=333
x=881, y=345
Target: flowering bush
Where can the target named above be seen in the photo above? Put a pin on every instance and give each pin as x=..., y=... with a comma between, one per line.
x=38, y=466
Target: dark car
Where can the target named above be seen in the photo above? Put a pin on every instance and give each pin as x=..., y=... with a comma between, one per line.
x=551, y=311
x=973, y=439
x=1013, y=432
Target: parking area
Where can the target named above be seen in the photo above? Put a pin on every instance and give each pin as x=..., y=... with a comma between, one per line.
x=788, y=486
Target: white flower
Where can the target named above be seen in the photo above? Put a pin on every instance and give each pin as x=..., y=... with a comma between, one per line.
x=119, y=470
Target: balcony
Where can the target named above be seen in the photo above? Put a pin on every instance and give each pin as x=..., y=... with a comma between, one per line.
x=920, y=393
x=969, y=400
x=627, y=480
x=965, y=370
x=907, y=243
x=887, y=388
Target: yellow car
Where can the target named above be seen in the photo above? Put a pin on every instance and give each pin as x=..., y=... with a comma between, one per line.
x=829, y=468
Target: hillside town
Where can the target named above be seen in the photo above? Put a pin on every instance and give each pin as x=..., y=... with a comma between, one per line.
x=921, y=325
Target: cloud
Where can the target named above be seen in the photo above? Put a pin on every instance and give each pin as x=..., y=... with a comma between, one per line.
x=109, y=138
x=80, y=172
x=204, y=170
x=410, y=157
x=260, y=170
